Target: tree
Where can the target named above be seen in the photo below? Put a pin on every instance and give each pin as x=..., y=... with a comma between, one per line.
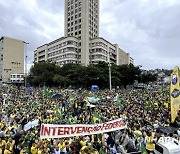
x=149, y=77
x=129, y=73
x=81, y=76
x=42, y=72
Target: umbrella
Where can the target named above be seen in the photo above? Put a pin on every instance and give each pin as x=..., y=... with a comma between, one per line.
x=56, y=96
x=91, y=105
x=93, y=99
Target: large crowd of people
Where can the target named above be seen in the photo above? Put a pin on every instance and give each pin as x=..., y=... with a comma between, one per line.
x=143, y=111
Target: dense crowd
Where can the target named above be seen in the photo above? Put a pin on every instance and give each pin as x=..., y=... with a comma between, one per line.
x=143, y=111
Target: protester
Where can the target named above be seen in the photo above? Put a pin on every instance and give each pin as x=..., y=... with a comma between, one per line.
x=142, y=110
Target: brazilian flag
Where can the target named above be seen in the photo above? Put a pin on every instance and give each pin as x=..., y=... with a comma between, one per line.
x=70, y=100
x=59, y=113
x=47, y=91
x=96, y=118
x=119, y=103
x=71, y=120
x=175, y=93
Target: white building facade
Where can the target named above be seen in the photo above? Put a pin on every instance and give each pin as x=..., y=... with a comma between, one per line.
x=81, y=43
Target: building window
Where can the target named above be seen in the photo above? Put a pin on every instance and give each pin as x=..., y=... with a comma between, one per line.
x=69, y=42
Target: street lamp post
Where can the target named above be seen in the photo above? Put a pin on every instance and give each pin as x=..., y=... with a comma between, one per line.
x=140, y=66
x=25, y=73
x=109, y=65
x=110, y=86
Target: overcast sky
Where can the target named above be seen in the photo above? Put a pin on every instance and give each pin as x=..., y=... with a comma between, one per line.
x=147, y=29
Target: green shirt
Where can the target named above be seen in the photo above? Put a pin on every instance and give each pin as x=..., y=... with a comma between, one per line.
x=101, y=151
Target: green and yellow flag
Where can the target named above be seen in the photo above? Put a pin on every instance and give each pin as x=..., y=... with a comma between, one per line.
x=175, y=93
x=119, y=103
x=58, y=112
x=96, y=118
x=71, y=120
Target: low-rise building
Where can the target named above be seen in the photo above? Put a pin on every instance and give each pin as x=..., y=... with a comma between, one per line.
x=67, y=50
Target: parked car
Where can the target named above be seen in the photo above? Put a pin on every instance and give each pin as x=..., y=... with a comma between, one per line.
x=167, y=148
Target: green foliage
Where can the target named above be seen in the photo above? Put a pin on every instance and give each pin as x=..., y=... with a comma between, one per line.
x=148, y=78
x=167, y=72
x=43, y=72
x=81, y=76
x=129, y=74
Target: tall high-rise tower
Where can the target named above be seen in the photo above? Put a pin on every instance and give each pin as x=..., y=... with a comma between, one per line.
x=81, y=43
x=82, y=21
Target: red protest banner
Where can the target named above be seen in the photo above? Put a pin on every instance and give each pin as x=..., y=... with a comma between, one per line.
x=60, y=131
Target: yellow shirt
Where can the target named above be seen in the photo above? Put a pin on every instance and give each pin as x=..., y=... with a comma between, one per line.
x=33, y=150
x=70, y=141
x=3, y=143
x=61, y=146
x=1, y=124
x=166, y=105
x=81, y=151
x=7, y=151
x=149, y=143
x=83, y=143
x=11, y=144
x=39, y=152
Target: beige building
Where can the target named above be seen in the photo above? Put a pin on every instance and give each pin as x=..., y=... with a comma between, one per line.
x=12, y=58
x=81, y=43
